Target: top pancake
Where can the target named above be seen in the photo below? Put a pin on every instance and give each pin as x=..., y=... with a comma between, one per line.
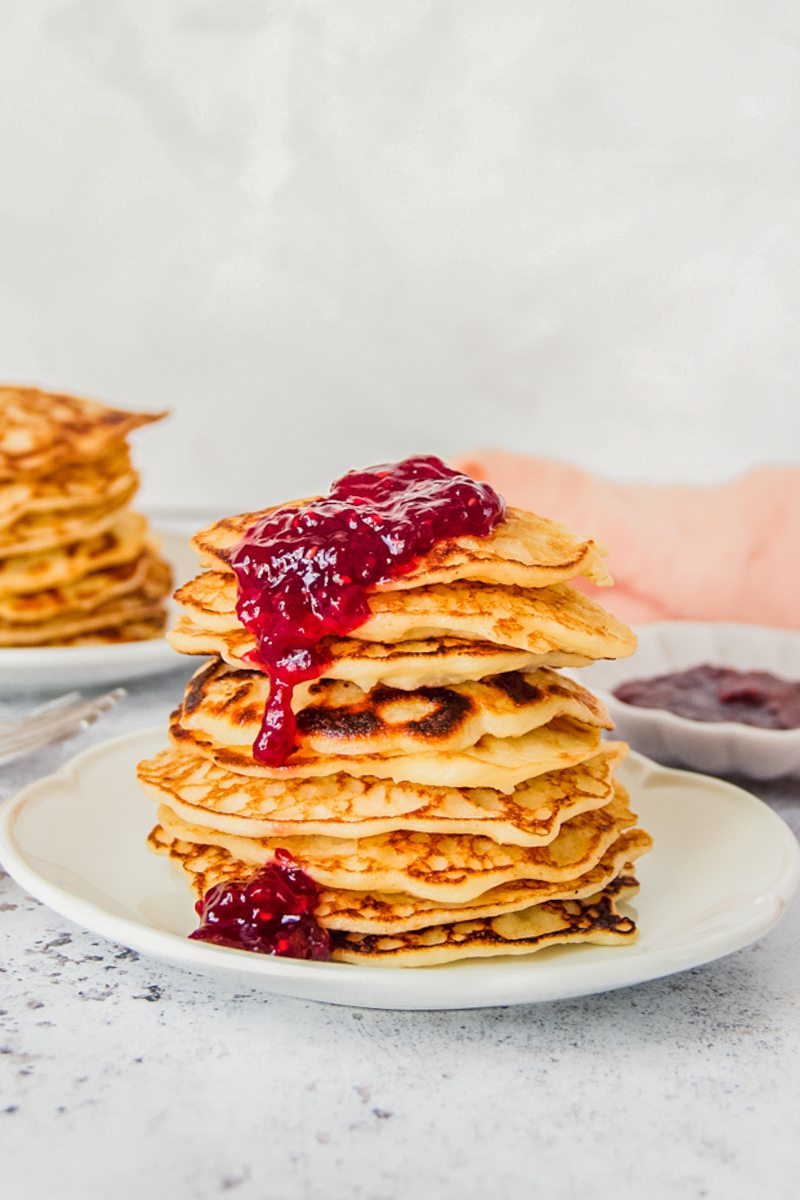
x=40, y=431
x=524, y=549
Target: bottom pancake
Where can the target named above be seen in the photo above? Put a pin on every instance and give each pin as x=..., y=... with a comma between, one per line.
x=554, y=923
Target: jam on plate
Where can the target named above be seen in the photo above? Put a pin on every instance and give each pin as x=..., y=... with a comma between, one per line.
x=272, y=912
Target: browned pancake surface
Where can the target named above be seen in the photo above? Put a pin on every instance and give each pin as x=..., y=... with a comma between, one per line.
x=41, y=430
x=339, y=718
x=204, y=794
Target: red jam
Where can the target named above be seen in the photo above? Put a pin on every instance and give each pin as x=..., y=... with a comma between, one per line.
x=707, y=693
x=305, y=573
x=272, y=912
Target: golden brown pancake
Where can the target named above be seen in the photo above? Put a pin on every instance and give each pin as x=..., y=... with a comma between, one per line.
x=432, y=662
x=498, y=763
x=76, y=567
x=38, y=531
x=203, y=794
x=142, y=604
x=123, y=542
x=540, y=621
x=397, y=912
x=74, y=485
x=554, y=923
x=84, y=595
x=338, y=718
x=40, y=431
x=525, y=549
x=142, y=630
x=454, y=868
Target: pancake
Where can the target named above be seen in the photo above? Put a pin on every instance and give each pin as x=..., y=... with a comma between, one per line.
x=453, y=868
x=524, y=549
x=393, y=912
x=540, y=621
x=142, y=630
x=40, y=431
x=432, y=662
x=84, y=595
x=121, y=543
x=498, y=763
x=397, y=912
x=203, y=794
x=142, y=604
x=554, y=923
x=73, y=485
x=38, y=531
x=338, y=718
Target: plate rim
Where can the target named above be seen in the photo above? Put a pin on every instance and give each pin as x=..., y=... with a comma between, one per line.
x=384, y=982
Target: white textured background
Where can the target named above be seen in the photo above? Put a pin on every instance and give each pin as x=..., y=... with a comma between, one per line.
x=328, y=232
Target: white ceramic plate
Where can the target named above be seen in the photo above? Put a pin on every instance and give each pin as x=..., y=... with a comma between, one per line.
x=76, y=841
x=59, y=668
x=720, y=747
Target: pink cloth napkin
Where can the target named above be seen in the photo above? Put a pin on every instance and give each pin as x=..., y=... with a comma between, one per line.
x=729, y=552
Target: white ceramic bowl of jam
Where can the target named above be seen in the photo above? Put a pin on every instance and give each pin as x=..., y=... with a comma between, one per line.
x=721, y=743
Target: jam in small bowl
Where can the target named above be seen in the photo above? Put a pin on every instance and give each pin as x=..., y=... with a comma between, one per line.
x=717, y=697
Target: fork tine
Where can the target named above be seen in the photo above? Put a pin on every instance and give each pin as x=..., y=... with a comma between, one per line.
x=43, y=713
x=63, y=724
x=39, y=731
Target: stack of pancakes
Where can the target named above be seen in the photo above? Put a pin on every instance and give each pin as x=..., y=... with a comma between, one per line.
x=76, y=565
x=449, y=793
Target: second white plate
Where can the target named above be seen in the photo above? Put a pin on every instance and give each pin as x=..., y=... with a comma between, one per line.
x=721, y=873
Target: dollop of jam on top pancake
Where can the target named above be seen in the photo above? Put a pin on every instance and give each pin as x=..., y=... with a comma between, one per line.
x=305, y=573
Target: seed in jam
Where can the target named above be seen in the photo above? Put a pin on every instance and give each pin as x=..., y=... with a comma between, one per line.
x=710, y=693
x=272, y=912
x=304, y=574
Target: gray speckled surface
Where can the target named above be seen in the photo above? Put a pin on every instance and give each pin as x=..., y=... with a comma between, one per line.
x=120, y=1077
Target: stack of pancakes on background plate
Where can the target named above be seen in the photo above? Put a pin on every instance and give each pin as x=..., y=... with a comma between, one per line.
x=449, y=793
x=76, y=565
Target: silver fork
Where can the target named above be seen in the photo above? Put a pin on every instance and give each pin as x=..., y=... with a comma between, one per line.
x=53, y=722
